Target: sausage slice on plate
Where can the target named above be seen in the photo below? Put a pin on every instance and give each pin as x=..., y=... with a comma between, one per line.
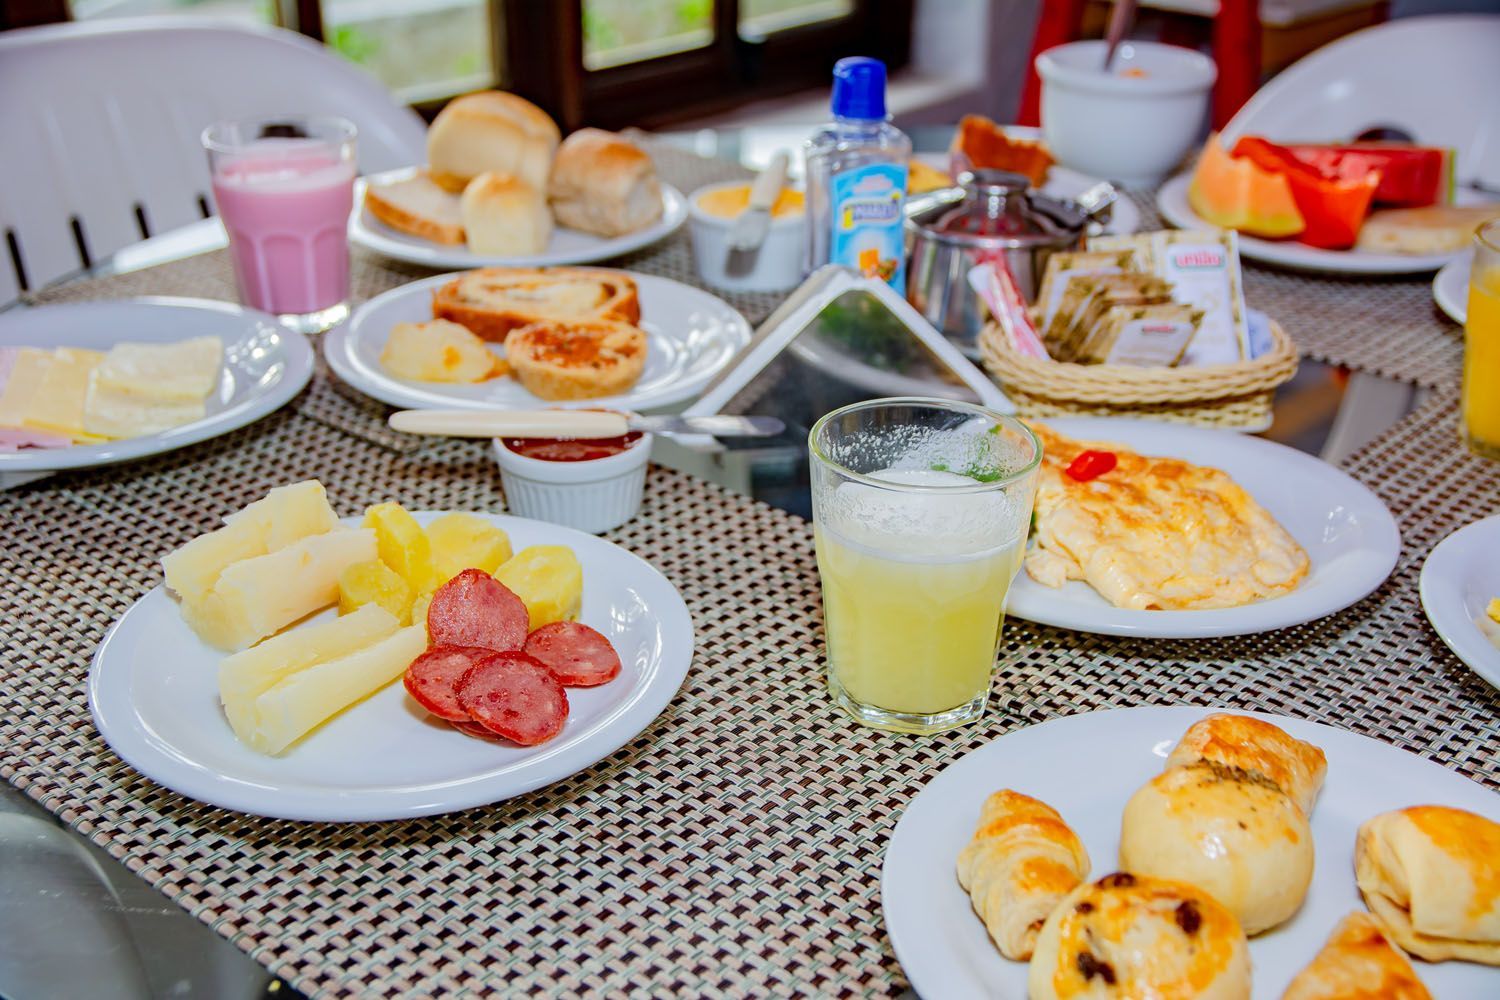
x=432, y=678
x=514, y=696
x=475, y=609
x=577, y=655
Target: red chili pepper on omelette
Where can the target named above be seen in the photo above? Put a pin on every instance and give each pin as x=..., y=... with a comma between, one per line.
x=1091, y=465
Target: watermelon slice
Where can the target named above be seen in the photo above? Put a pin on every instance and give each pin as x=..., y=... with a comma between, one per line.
x=1410, y=176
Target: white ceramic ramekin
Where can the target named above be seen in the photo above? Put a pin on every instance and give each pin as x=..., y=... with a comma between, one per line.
x=593, y=495
x=775, y=267
x=1132, y=124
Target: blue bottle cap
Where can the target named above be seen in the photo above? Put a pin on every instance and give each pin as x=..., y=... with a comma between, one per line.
x=859, y=88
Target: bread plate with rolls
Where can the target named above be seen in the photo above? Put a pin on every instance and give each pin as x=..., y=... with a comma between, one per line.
x=1002, y=877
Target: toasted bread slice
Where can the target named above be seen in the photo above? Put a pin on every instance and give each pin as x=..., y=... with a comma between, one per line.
x=1431, y=230
x=417, y=206
x=577, y=359
x=492, y=301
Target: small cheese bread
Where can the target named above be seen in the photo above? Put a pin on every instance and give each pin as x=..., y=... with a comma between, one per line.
x=418, y=206
x=577, y=359
x=505, y=216
x=604, y=184
x=1134, y=936
x=493, y=301
x=1357, y=963
x=1021, y=862
x=1434, y=229
x=1431, y=875
x=1259, y=747
x=491, y=131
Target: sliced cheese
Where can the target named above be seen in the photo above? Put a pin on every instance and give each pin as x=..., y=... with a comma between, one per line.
x=26, y=375
x=310, y=697
x=114, y=413
x=59, y=400
x=289, y=513
x=247, y=675
x=185, y=371
x=257, y=597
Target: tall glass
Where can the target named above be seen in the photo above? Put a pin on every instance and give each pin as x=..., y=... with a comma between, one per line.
x=284, y=187
x=1481, y=399
x=920, y=514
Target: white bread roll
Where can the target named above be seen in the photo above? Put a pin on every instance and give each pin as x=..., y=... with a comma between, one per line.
x=491, y=131
x=417, y=206
x=504, y=215
x=603, y=184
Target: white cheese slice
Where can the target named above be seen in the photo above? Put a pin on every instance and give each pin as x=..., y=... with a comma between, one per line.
x=184, y=371
x=113, y=413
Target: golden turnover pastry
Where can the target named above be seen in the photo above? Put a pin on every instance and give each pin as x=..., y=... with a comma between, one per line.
x=1021, y=862
x=1132, y=936
x=1431, y=875
x=581, y=359
x=1357, y=963
x=1258, y=747
x=492, y=301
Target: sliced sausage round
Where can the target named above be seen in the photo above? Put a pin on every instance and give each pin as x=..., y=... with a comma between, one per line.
x=475, y=609
x=432, y=678
x=514, y=696
x=476, y=730
x=577, y=655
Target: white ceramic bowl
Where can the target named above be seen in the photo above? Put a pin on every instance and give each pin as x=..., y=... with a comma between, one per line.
x=1133, y=124
x=593, y=495
x=775, y=267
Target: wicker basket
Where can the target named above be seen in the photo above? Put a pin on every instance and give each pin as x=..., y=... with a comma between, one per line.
x=1234, y=396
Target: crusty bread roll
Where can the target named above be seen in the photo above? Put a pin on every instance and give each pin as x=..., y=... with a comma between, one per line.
x=504, y=215
x=1259, y=747
x=491, y=131
x=1021, y=862
x=1431, y=876
x=576, y=359
x=1434, y=229
x=417, y=205
x=604, y=184
x=1357, y=963
x=492, y=301
x=1133, y=936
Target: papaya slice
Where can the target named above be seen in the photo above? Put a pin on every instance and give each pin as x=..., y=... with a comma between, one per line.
x=1239, y=194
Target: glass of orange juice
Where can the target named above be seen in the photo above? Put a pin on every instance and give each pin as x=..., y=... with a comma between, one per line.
x=1481, y=398
x=920, y=514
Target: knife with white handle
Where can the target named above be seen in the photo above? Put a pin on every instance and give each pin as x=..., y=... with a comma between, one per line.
x=750, y=226
x=572, y=424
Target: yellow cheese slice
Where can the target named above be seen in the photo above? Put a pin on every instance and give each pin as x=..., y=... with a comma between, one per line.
x=310, y=697
x=112, y=412
x=185, y=371
x=25, y=379
x=257, y=597
x=58, y=403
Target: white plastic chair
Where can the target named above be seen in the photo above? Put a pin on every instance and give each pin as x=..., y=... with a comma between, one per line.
x=99, y=127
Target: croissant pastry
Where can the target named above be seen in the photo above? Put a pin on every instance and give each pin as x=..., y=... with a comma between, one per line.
x=1258, y=747
x=1357, y=963
x=1022, y=860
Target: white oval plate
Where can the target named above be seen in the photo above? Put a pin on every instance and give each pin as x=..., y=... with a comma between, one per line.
x=690, y=336
x=1459, y=578
x=153, y=691
x=1172, y=200
x=567, y=246
x=1450, y=288
x=265, y=365
x=1349, y=535
x=1086, y=767
x=1062, y=182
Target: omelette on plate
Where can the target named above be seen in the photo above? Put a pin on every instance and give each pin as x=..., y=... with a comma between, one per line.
x=1154, y=533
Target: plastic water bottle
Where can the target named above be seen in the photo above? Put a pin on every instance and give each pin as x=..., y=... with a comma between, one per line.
x=856, y=178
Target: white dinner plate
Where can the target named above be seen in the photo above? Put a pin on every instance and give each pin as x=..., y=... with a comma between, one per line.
x=1450, y=288
x=1172, y=199
x=265, y=365
x=1459, y=579
x=153, y=691
x=567, y=246
x=690, y=336
x=1086, y=767
x=1350, y=536
x=1062, y=182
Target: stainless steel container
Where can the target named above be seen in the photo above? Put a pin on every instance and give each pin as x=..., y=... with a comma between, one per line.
x=992, y=213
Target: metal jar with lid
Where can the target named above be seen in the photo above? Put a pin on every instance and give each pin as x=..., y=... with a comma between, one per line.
x=993, y=213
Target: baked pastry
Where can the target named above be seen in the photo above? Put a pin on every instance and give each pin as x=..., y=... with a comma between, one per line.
x=1357, y=963
x=1134, y=936
x=505, y=215
x=577, y=359
x=603, y=184
x=1021, y=862
x=491, y=131
x=417, y=205
x=438, y=351
x=1233, y=833
x=492, y=301
x=1431, y=875
x=980, y=144
x=1434, y=229
x=1241, y=741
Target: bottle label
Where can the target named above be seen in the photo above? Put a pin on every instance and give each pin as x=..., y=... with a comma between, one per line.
x=867, y=221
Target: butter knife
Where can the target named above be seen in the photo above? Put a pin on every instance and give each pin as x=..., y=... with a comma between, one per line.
x=573, y=424
x=750, y=226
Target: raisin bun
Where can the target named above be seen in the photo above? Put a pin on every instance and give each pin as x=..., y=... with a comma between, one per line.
x=1231, y=832
x=1130, y=936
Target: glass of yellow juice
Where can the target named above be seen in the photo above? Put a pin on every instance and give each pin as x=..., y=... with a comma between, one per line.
x=920, y=513
x=1481, y=397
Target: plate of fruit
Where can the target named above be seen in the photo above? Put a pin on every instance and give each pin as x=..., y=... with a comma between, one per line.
x=300, y=665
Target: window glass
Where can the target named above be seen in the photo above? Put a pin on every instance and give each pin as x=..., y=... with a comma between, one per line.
x=616, y=32
x=421, y=49
x=762, y=17
x=261, y=11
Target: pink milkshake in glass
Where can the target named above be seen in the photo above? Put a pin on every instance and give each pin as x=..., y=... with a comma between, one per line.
x=284, y=187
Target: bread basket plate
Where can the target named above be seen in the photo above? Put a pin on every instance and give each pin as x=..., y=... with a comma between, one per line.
x=153, y=691
x=264, y=366
x=1450, y=288
x=1459, y=579
x=1086, y=767
x=690, y=336
x=567, y=246
x=1348, y=534
x=1172, y=200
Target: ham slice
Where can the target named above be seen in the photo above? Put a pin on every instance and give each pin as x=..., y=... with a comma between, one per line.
x=13, y=439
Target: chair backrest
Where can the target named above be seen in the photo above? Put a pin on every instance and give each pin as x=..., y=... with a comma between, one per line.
x=1433, y=77
x=100, y=124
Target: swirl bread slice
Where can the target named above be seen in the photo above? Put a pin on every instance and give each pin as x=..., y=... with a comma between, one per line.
x=493, y=301
x=577, y=359
x=418, y=206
